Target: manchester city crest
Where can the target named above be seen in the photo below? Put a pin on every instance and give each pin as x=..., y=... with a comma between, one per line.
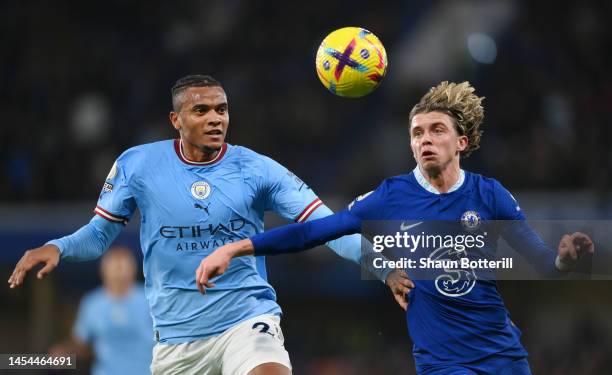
x=470, y=220
x=200, y=189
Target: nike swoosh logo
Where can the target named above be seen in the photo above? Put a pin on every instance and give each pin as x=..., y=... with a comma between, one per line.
x=405, y=227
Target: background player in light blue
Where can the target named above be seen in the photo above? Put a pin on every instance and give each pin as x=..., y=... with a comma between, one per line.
x=114, y=320
x=454, y=331
x=194, y=194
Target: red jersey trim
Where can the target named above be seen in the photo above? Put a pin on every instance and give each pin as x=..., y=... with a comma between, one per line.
x=178, y=147
x=309, y=210
x=110, y=217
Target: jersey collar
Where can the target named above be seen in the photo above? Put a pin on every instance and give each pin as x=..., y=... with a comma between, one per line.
x=178, y=147
x=430, y=188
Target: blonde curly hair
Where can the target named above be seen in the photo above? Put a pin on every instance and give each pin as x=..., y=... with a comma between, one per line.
x=459, y=102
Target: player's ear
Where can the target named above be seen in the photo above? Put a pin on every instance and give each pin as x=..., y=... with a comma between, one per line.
x=175, y=120
x=462, y=143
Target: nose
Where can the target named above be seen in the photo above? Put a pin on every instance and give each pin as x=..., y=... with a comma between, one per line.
x=426, y=139
x=214, y=120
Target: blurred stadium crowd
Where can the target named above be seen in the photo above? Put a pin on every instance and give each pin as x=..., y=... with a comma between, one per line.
x=80, y=82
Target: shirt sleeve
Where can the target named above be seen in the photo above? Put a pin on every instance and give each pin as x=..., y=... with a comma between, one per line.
x=286, y=194
x=348, y=247
x=354, y=248
x=291, y=198
x=506, y=206
x=90, y=241
x=302, y=236
x=521, y=237
x=116, y=203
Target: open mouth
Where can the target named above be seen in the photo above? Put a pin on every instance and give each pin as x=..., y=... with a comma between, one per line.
x=426, y=154
x=215, y=132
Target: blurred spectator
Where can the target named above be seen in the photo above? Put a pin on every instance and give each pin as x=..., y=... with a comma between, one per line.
x=113, y=321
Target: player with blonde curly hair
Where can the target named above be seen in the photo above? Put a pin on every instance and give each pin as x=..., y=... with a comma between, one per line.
x=457, y=320
x=460, y=103
x=445, y=126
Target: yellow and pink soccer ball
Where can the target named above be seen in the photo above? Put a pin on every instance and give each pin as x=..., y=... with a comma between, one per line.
x=351, y=62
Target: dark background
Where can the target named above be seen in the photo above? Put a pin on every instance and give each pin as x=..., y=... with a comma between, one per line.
x=80, y=82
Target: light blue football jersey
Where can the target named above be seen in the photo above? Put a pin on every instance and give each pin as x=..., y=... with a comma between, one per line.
x=189, y=209
x=119, y=331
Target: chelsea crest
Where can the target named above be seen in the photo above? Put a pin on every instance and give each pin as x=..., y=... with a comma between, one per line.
x=470, y=220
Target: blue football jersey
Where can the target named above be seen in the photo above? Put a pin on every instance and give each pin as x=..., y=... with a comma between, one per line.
x=188, y=209
x=451, y=323
x=464, y=326
x=119, y=330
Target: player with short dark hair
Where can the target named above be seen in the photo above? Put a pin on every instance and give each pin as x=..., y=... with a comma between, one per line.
x=182, y=84
x=195, y=194
x=457, y=326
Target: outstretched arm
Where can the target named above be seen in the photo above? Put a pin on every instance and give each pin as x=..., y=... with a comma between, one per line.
x=523, y=239
x=335, y=232
x=87, y=243
x=301, y=236
x=348, y=247
x=545, y=260
x=294, y=238
x=280, y=240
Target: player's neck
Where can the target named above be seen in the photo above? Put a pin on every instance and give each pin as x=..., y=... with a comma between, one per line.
x=196, y=154
x=442, y=179
x=118, y=291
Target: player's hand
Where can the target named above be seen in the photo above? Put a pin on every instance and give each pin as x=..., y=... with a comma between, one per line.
x=213, y=265
x=217, y=262
x=49, y=255
x=571, y=248
x=400, y=286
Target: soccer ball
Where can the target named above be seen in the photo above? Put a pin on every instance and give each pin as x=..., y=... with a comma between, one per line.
x=351, y=62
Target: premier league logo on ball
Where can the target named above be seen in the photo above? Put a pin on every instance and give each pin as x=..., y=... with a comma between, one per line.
x=470, y=220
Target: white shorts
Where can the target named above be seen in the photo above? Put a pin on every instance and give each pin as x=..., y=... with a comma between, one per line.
x=234, y=352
